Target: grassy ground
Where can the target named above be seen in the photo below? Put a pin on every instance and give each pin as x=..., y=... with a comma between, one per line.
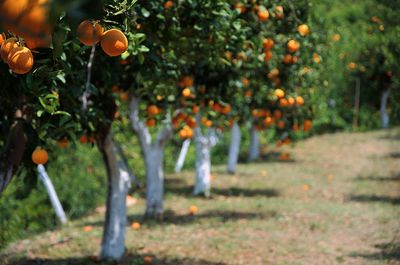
x=336, y=202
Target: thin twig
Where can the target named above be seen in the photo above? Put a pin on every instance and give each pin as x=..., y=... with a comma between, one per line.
x=86, y=94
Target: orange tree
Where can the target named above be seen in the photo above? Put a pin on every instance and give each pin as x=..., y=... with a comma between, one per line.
x=58, y=96
x=186, y=42
x=276, y=73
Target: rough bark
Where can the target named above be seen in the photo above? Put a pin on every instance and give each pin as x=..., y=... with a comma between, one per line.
x=113, y=243
x=182, y=155
x=254, y=153
x=234, y=148
x=55, y=201
x=12, y=154
x=384, y=114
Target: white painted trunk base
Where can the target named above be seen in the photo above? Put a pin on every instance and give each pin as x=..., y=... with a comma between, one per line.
x=55, y=202
x=182, y=156
x=234, y=148
x=254, y=153
x=113, y=243
x=384, y=114
x=154, y=157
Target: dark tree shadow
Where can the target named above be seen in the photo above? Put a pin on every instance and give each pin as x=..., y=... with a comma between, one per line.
x=170, y=217
x=230, y=192
x=394, y=155
x=272, y=156
x=379, y=178
x=129, y=259
x=375, y=198
x=387, y=251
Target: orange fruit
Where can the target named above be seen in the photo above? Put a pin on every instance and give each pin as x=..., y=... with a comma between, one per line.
x=287, y=59
x=20, y=60
x=263, y=15
x=208, y=123
x=63, y=143
x=273, y=74
x=226, y=109
x=83, y=139
x=182, y=134
x=268, y=121
x=38, y=43
x=291, y=101
x=316, y=58
x=6, y=48
x=303, y=29
x=307, y=125
x=241, y=8
x=124, y=96
x=114, y=42
x=279, y=93
x=40, y=156
x=88, y=228
x=279, y=14
x=150, y=123
x=352, y=65
x=186, y=92
x=293, y=46
x=2, y=38
x=195, y=109
x=277, y=114
x=153, y=110
x=147, y=260
x=336, y=37
x=186, y=81
x=89, y=32
x=168, y=4
x=189, y=133
x=268, y=44
x=283, y=102
x=299, y=100
x=245, y=82
x=267, y=56
x=193, y=209
x=135, y=225
x=280, y=124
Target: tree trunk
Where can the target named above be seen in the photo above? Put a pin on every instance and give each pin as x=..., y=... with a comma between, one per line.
x=234, y=148
x=182, y=155
x=113, y=243
x=254, y=153
x=203, y=166
x=154, y=157
x=55, y=202
x=384, y=114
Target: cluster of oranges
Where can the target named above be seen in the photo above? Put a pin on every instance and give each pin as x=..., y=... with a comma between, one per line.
x=18, y=57
x=113, y=41
x=262, y=12
x=186, y=132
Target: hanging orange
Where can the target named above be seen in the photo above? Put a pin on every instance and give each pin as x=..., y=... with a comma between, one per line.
x=89, y=32
x=40, y=156
x=114, y=42
x=20, y=60
x=6, y=48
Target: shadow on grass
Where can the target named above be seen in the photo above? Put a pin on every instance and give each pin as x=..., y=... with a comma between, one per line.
x=394, y=155
x=379, y=178
x=127, y=260
x=388, y=252
x=375, y=198
x=272, y=156
x=229, y=192
x=171, y=217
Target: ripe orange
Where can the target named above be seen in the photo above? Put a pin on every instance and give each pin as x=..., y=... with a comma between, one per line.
x=245, y=82
x=195, y=109
x=291, y=101
x=279, y=93
x=277, y=114
x=147, y=260
x=303, y=29
x=287, y=59
x=241, y=8
x=124, y=96
x=273, y=74
x=283, y=102
x=2, y=38
x=293, y=46
x=182, y=134
x=168, y=4
x=307, y=125
x=281, y=124
x=249, y=93
x=40, y=156
x=316, y=58
x=267, y=56
x=114, y=42
x=186, y=92
x=263, y=15
x=153, y=110
x=299, y=100
x=268, y=44
x=150, y=123
x=193, y=209
x=226, y=109
x=352, y=65
x=6, y=48
x=135, y=225
x=89, y=32
x=186, y=81
x=268, y=121
x=189, y=133
x=63, y=143
x=83, y=139
x=279, y=14
x=20, y=60
x=88, y=228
